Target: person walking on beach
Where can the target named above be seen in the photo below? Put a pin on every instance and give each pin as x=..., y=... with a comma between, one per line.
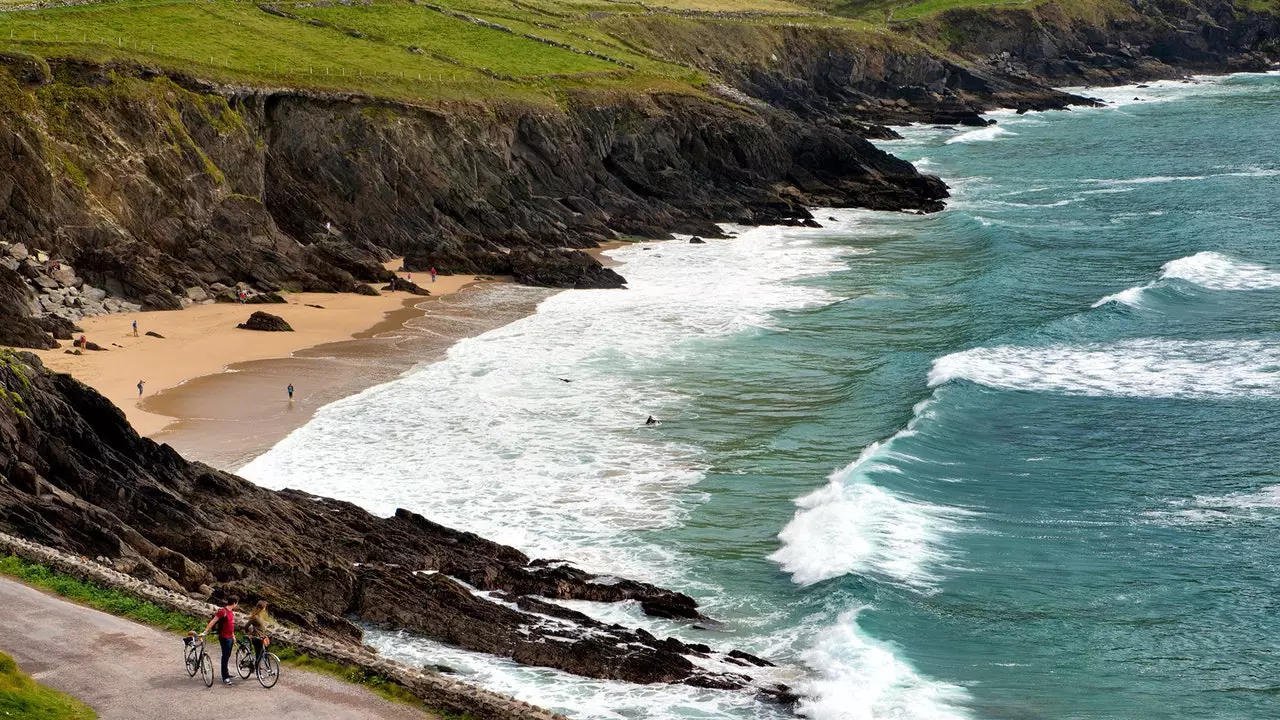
x=135, y=328
x=290, y=392
x=225, y=622
x=433, y=274
x=256, y=629
x=140, y=384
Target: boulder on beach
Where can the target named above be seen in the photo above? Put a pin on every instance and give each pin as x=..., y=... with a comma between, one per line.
x=401, y=285
x=154, y=334
x=266, y=322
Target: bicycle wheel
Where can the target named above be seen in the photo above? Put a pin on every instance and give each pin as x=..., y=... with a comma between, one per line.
x=192, y=661
x=269, y=670
x=206, y=669
x=244, y=661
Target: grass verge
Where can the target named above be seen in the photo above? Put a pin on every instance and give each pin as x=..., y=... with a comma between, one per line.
x=122, y=605
x=22, y=697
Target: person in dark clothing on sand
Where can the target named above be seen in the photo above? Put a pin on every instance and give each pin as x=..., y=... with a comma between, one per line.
x=140, y=384
x=135, y=328
x=225, y=619
x=290, y=392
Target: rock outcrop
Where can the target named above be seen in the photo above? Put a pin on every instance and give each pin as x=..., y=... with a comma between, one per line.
x=265, y=322
x=164, y=192
x=75, y=476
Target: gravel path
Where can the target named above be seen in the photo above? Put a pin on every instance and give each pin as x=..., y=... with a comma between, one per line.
x=127, y=671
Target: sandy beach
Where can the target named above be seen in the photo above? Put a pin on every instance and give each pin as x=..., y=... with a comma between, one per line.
x=204, y=340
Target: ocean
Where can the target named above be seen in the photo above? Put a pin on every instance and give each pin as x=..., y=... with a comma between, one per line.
x=1011, y=460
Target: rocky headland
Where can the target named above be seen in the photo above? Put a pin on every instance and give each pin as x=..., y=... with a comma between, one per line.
x=76, y=477
x=162, y=188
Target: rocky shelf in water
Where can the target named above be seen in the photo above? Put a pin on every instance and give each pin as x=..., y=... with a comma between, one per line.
x=75, y=476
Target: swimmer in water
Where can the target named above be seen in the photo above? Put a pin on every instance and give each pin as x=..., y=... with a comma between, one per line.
x=651, y=421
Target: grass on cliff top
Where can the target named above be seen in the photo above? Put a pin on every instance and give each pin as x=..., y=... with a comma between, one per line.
x=140, y=611
x=387, y=48
x=22, y=697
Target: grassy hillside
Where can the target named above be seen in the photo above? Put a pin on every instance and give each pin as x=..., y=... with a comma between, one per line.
x=402, y=49
x=22, y=697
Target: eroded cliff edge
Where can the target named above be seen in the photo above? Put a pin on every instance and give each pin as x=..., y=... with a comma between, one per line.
x=149, y=185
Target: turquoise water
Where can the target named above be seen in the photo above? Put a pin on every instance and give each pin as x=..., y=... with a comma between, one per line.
x=1031, y=436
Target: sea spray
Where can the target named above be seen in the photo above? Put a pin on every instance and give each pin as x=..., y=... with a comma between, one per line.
x=859, y=678
x=539, y=424
x=1125, y=368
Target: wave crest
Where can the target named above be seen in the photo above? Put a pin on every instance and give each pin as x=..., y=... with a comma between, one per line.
x=1134, y=368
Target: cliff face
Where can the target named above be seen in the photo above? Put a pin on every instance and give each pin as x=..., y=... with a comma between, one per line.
x=75, y=476
x=1112, y=41
x=842, y=76
x=150, y=186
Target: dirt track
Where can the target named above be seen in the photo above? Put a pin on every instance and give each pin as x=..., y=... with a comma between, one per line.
x=127, y=671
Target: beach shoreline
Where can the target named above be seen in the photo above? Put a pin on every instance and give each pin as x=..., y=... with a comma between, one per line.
x=201, y=344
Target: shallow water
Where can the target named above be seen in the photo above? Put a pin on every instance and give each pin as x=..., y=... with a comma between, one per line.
x=1006, y=461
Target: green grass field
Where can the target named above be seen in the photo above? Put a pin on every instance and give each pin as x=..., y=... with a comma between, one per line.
x=388, y=48
x=22, y=697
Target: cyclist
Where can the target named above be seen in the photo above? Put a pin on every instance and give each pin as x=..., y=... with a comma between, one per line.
x=225, y=620
x=256, y=630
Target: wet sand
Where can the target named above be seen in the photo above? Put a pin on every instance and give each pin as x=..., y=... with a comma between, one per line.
x=229, y=418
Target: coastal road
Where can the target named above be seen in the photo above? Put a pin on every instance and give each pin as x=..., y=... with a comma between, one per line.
x=127, y=671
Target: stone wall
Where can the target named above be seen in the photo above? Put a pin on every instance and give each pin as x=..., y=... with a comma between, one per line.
x=434, y=689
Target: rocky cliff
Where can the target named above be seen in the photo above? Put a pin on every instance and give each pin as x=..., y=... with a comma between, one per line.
x=75, y=476
x=1106, y=42
x=151, y=186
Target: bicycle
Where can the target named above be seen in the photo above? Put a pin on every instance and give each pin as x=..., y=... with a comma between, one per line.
x=196, y=659
x=267, y=668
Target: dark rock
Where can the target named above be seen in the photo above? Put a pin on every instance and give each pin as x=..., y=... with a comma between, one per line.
x=363, y=289
x=154, y=334
x=317, y=561
x=60, y=327
x=312, y=305
x=267, y=298
x=560, y=268
x=748, y=657
x=674, y=606
x=73, y=352
x=695, y=240
x=264, y=321
x=779, y=693
x=399, y=284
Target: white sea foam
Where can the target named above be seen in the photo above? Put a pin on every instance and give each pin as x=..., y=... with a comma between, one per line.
x=1131, y=368
x=1261, y=504
x=859, y=678
x=1216, y=271
x=578, y=697
x=986, y=134
x=1208, y=269
x=491, y=440
x=853, y=526
x=1131, y=297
